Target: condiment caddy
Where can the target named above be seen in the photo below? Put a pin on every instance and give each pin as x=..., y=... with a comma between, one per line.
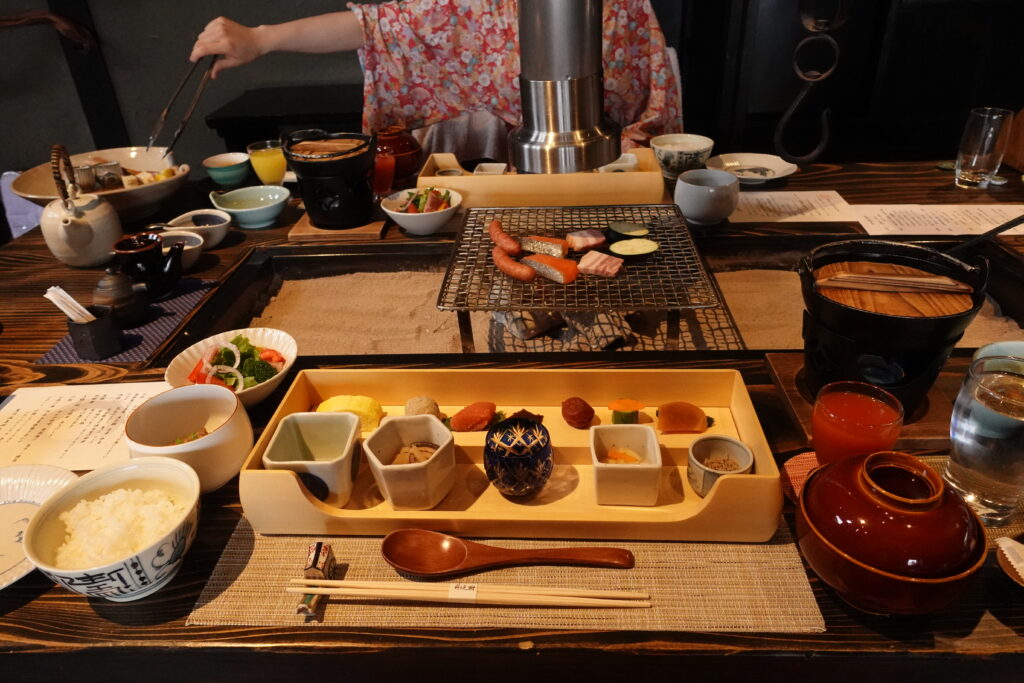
x=740, y=507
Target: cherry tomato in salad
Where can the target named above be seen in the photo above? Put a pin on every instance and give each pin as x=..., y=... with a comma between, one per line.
x=271, y=356
x=197, y=376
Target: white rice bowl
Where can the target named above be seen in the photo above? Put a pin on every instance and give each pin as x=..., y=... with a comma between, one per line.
x=74, y=538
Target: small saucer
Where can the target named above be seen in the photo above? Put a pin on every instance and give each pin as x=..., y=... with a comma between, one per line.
x=23, y=488
x=752, y=169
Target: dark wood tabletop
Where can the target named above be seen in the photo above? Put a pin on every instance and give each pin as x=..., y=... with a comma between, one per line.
x=49, y=633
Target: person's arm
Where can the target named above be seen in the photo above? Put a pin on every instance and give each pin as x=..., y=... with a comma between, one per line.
x=237, y=44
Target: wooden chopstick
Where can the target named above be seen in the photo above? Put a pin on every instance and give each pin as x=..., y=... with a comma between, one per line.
x=469, y=593
x=496, y=587
x=881, y=282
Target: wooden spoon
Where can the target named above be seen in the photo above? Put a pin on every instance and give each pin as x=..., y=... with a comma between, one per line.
x=427, y=553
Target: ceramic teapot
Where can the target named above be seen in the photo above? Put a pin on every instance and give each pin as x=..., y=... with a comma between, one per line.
x=79, y=229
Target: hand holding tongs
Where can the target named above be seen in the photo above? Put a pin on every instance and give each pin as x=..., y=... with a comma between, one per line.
x=211, y=59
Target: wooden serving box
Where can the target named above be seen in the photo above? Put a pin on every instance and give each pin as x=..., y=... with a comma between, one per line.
x=740, y=507
x=642, y=186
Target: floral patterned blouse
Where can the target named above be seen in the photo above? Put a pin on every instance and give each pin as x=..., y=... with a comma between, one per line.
x=426, y=61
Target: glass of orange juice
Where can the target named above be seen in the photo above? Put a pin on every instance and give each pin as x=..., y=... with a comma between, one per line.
x=267, y=159
x=854, y=418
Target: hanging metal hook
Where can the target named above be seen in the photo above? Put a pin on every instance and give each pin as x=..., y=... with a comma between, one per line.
x=810, y=77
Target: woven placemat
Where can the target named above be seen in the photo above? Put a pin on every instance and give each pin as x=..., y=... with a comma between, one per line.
x=138, y=342
x=694, y=587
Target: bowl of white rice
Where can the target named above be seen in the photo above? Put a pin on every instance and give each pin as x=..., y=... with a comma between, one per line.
x=120, y=532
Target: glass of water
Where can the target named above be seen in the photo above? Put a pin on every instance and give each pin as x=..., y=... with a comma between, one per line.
x=982, y=146
x=986, y=464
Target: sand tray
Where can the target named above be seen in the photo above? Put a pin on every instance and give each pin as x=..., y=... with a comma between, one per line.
x=674, y=277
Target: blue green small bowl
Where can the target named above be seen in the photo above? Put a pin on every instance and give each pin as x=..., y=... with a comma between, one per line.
x=252, y=207
x=227, y=170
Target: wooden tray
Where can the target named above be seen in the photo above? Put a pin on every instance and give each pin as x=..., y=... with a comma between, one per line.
x=926, y=428
x=305, y=231
x=643, y=186
x=739, y=507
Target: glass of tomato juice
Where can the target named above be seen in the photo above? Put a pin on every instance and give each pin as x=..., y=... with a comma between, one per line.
x=854, y=418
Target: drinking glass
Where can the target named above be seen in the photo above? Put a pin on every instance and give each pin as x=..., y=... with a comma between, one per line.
x=854, y=418
x=986, y=463
x=982, y=146
x=267, y=159
x=383, y=174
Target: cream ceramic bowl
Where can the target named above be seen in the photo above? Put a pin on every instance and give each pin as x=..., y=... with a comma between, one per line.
x=210, y=224
x=264, y=337
x=321, y=449
x=133, y=576
x=193, y=246
x=626, y=484
x=678, y=152
x=419, y=223
x=36, y=184
x=156, y=425
x=415, y=486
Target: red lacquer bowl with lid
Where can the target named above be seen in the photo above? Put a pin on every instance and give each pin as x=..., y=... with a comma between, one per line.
x=887, y=534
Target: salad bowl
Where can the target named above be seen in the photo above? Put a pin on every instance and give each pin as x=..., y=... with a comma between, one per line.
x=424, y=223
x=182, y=369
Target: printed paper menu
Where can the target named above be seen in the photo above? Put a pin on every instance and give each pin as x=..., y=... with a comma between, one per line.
x=936, y=219
x=758, y=207
x=75, y=427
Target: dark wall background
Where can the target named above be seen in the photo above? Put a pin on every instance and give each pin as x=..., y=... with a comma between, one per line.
x=908, y=71
x=907, y=74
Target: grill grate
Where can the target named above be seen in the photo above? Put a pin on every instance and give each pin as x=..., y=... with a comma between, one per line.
x=671, y=278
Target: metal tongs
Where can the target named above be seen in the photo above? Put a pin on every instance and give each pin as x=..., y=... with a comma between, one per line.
x=210, y=60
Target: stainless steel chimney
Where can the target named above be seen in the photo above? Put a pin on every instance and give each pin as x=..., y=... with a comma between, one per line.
x=561, y=84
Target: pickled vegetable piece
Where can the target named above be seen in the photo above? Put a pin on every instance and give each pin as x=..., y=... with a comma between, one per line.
x=680, y=416
x=474, y=417
x=625, y=411
x=577, y=413
x=618, y=455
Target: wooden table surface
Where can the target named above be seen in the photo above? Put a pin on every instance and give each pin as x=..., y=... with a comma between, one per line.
x=49, y=633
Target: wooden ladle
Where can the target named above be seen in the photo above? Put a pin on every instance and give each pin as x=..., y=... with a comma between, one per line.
x=428, y=553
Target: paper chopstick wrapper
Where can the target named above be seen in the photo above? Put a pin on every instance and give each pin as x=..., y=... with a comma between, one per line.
x=320, y=564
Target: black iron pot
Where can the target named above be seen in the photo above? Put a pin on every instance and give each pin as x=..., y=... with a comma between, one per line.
x=902, y=354
x=337, y=188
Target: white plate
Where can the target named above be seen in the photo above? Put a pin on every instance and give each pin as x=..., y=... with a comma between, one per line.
x=23, y=488
x=753, y=169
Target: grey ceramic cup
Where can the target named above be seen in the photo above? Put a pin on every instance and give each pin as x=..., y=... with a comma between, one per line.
x=707, y=196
